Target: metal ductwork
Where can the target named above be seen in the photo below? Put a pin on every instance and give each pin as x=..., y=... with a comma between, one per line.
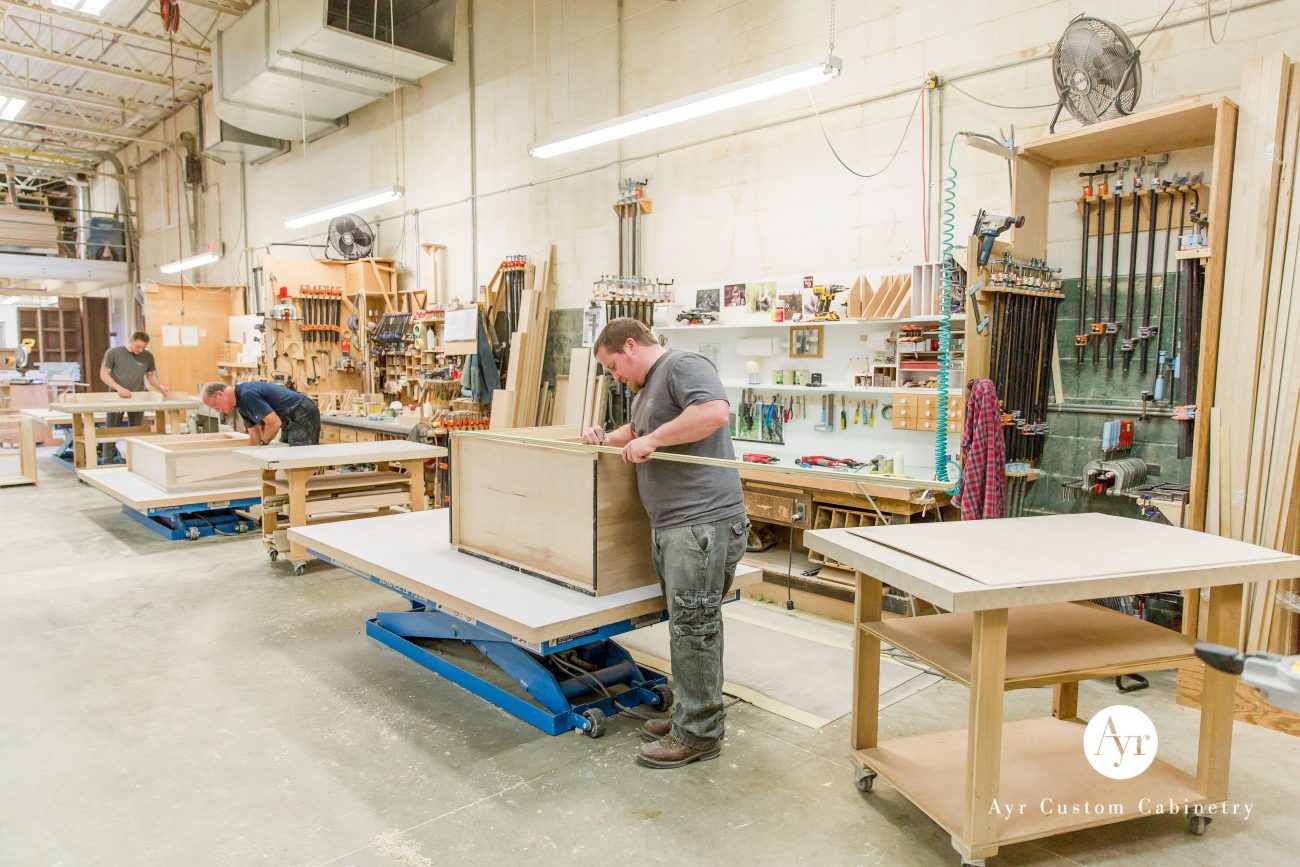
x=81, y=189
x=294, y=68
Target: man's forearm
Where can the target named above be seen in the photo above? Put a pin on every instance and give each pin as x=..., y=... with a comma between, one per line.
x=107, y=378
x=620, y=437
x=694, y=424
x=269, y=430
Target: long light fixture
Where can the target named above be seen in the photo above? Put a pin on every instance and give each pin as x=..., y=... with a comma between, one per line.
x=370, y=200
x=10, y=106
x=749, y=90
x=87, y=7
x=192, y=262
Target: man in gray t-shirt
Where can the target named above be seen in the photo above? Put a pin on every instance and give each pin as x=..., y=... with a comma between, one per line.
x=697, y=516
x=126, y=369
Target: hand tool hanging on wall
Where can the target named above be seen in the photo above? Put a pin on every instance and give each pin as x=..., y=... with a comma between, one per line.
x=1127, y=343
x=1175, y=356
x=988, y=227
x=1081, y=336
x=1145, y=331
x=1163, y=358
x=1112, y=313
x=1098, y=326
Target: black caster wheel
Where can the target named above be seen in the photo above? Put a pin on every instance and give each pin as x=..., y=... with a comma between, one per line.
x=864, y=779
x=192, y=534
x=663, y=694
x=241, y=528
x=595, y=718
x=273, y=555
x=1197, y=824
x=972, y=862
x=299, y=568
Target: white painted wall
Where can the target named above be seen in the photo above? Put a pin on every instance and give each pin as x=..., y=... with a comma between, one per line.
x=748, y=194
x=754, y=190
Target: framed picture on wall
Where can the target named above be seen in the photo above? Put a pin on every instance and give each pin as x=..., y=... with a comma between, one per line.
x=806, y=341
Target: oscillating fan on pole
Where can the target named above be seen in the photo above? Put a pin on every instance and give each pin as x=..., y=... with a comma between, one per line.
x=1096, y=70
x=351, y=237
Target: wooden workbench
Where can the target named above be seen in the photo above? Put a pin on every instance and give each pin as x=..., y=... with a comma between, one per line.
x=140, y=494
x=296, y=488
x=1010, y=585
x=162, y=415
x=412, y=553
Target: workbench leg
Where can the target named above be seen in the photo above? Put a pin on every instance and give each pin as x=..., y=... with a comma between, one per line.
x=270, y=518
x=160, y=417
x=866, y=664
x=89, y=454
x=984, y=733
x=1218, y=695
x=1065, y=700
x=415, y=474
x=298, y=508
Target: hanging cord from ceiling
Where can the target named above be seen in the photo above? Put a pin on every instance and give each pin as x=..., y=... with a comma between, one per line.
x=920, y=91
x=1209, y=23
x=1159, y=21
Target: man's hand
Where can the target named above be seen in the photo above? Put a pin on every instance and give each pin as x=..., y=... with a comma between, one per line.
x=594, y=436
x=639, y=450
x=164, y=390
x=255, y=435
x=124, y=393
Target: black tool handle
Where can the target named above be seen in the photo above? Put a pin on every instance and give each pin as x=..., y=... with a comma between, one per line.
x=1220, y=657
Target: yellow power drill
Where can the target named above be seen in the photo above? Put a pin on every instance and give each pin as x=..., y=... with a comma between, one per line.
x=825, y=298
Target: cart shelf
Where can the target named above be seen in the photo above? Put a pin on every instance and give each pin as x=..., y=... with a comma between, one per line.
x=1046, y=644
x=1047, y=766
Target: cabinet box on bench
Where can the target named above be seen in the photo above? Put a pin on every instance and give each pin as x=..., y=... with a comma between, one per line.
x=571, y=517
x=190, y=461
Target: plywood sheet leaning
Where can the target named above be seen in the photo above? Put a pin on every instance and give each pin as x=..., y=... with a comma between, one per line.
x=892, y=299
x=860, y=297
x=1256, y=175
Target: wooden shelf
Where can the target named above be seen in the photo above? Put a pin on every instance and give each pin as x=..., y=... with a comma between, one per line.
x=1194, y=253
x=1058, y=643
x=1043, y=763
x=1186, y=124
x=958, y=324
x=847, y=389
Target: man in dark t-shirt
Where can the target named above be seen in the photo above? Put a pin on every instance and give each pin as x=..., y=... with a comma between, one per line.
x=697, y=516
x=268, y=409
x=126, y=369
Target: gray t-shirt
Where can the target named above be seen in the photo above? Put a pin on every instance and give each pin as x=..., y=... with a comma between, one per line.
x=676, y=494
x=128, y=369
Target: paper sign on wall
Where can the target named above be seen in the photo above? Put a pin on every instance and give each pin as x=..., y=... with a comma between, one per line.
x=171, y=335
x=189, y=335
x=461, y=325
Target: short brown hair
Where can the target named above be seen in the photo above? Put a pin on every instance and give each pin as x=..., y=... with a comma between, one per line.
x=140, y=335
x=618, y=331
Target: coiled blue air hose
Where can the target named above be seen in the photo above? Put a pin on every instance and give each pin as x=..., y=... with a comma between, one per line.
x=941, y=460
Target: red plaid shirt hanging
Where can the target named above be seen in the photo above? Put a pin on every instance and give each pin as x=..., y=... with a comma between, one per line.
x=983, y=456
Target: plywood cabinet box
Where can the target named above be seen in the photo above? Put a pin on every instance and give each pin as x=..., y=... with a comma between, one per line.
x=191, y=461
x=571, y=517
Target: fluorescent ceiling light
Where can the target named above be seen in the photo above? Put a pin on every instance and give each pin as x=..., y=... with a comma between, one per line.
x=759, y=87
x=192, y=262
x=10, y=106
x=369, y=200
x=89, y=7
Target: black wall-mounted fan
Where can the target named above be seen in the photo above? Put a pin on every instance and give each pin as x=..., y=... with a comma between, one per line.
x=351, y=237
x=1097, y=73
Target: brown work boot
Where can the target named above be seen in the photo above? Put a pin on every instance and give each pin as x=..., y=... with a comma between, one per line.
x=668, y=753
x=654, y=729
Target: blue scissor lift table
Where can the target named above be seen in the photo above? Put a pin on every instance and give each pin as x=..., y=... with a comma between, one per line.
x=176, y=516
x=552, y=642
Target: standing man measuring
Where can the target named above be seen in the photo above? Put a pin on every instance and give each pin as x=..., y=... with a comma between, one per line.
x=268, y=409
x=697, y=515
x=126, y=369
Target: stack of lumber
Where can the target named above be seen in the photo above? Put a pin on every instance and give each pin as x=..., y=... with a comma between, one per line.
x=892, y=300
x=585, y=392
x=1254, y=486
x=519, y=403
x=32, y=230
x=860, y=296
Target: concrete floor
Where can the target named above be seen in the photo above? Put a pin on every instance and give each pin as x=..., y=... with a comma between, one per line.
x=190, y=703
